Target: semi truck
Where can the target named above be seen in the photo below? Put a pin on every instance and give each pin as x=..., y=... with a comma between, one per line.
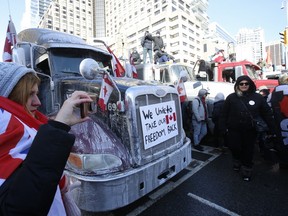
x=230, y=71
x=125, y=150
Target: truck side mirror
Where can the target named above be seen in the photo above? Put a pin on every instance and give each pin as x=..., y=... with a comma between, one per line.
x=89, y=68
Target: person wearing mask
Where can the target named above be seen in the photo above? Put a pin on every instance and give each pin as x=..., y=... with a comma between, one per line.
x=135, y=57
x=158, y=46
x=239, y=110
x=33, y=149
x=216, y=112
x=279, y=105
x=199, y=118
x=146, y=43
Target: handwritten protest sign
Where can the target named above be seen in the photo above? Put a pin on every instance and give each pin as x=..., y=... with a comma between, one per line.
x=159, y=123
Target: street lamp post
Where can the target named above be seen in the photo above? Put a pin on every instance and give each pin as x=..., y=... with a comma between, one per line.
x=284, y=5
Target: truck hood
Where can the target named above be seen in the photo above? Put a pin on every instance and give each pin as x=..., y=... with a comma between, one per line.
x=269, y=83
x=192, y=88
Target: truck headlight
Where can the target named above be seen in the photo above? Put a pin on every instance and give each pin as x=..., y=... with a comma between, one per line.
x=94, y=162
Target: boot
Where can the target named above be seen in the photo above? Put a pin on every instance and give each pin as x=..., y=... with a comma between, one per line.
x=236, y=165
x=246, y=173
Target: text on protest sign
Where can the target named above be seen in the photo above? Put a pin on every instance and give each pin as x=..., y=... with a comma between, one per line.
x=159, y=123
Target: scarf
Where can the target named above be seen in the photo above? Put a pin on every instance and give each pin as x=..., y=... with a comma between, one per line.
x=17, y=131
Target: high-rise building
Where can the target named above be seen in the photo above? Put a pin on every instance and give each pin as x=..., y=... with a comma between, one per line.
x=181, y=24
x=43, y=6
x=250, y=44
x=34, y=10
x=71, y=16
x=275, y=54
x=217, y=38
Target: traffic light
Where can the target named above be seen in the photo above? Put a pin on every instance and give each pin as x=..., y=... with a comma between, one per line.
x=284, y=37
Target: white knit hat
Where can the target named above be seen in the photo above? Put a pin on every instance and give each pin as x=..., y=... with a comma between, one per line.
x=10, y=74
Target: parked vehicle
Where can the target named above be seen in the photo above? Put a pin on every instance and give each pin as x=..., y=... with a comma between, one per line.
x=230, y=71
x=124, y=151
x=169, y=74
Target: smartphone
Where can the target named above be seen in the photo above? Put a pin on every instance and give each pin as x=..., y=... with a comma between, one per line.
x=88, y=108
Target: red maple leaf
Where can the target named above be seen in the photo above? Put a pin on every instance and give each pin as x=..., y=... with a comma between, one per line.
x=180, y=90
x=284, y=106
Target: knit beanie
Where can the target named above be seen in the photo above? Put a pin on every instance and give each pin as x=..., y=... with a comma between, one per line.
x=10, y=74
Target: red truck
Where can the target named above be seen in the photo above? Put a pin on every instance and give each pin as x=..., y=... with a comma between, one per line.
x=230, y=71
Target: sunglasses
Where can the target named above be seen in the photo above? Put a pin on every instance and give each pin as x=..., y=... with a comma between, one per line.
x=244, y=83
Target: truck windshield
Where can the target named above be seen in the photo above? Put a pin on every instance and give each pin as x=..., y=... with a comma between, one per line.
x=67, y=60
x=176, y=70
x=252, y=73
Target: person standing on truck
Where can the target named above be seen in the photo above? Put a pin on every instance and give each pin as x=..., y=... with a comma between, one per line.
x=33, y=149
x=236, y=120
x=146, y=43
x=158, y=46
x=199, y=118
x=135, y=57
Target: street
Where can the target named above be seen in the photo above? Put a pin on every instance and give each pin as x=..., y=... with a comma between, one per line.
x=209, y=186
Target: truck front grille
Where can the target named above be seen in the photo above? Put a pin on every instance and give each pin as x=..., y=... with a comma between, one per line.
x=140, y=154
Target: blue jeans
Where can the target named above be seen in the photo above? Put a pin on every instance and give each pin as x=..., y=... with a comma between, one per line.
x=145, y=50
x=199, y=131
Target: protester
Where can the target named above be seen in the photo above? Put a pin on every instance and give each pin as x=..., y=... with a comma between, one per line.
x=146, y=43
x=199, y=118
x=261, y=136
x=135, y=57
x=279, y=104
x=162, y=56
x=33, y=149
x=158, y=43
x=240, y=108
x=216, y=112
x=158, y=46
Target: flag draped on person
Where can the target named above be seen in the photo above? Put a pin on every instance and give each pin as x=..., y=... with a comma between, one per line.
x=105, y=92
x=133, y=68
x=17, y=131
x=9, y=42
x=119, y=70
x=181, y=90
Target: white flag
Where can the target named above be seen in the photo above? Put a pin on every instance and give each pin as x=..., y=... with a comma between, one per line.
x=105, y=92
x=9, y=42
x=181, y=90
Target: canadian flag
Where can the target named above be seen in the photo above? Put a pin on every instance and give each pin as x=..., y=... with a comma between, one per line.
x=9, y=42
x=170, y=118
x=181, y=90
x=119, y=70
x=133, y=68
x=105, y=92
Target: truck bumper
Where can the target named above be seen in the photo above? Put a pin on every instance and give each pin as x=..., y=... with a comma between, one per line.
x=109, y=192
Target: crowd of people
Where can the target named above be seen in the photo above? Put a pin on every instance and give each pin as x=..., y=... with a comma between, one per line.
x=154, y=47
x=35, y=149
x=236, y=120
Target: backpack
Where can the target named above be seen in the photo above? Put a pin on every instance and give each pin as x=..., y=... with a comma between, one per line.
x=189, y=110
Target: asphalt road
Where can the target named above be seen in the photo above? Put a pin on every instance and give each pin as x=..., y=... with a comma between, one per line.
x=210, y=187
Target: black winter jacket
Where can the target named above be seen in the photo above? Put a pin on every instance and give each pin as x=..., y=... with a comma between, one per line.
x=31, y=189
x=236, y=116
x=158, y=43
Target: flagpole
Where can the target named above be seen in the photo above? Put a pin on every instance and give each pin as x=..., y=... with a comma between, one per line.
x=9, y=9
